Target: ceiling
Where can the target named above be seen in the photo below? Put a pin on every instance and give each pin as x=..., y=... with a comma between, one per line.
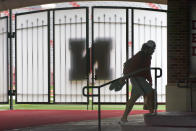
x=13, y=4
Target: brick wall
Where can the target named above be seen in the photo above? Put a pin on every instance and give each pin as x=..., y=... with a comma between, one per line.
x=178, y=40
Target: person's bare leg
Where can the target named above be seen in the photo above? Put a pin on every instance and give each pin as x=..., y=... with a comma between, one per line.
x=129, y=105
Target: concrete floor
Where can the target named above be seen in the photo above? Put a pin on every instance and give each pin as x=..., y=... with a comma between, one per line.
x=136, y=123
x=110, y=124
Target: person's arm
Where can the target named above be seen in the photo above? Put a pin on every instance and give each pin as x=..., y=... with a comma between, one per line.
x=150, y=78
x=148, y=75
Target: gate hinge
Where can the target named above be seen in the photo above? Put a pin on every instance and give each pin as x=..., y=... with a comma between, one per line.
x=11, y=35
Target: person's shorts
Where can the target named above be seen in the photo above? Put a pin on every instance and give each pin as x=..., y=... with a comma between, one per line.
x=140, y=86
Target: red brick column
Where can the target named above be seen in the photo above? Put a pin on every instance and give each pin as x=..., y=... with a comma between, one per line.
x=178, y=40
x=178, y=51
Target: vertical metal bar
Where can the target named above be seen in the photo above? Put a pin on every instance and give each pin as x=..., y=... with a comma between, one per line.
x=156, y=40
x=121, y=44
x=65, y=55
x=87, y=54
x=70, y=38
x=99, y=110
x=161, y=57
x=132, y=31
x=11, y=77
x=150, y=29
x=127, y=49
x=110, y=36
x=139, y=33
x=155, y=104
x=144, y=29
x=104, y=24
x=81, y=30
x=60, y=65
x=115, y=23
x=43, y=58
x=132, y=38
x=54, y=57
x=99, y=28
x=49, y=73
x=8, y=58
x=27, y=35
x=3, y=57
x=22, y=61
x=32, y=62
x=37, y=58
x=92, y=53
x=121, y=50
x=76, y=37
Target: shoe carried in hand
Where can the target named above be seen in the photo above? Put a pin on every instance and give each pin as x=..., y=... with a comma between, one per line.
x=117, y=85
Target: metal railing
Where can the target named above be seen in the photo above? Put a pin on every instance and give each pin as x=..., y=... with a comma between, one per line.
x=124, y=77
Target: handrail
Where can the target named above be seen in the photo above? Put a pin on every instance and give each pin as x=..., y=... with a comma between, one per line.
x=124, y=77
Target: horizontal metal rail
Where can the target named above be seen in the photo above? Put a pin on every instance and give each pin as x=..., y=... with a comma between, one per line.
x=123, y=77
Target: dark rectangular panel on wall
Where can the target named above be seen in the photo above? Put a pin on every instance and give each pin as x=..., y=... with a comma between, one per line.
x=70, y=55
x=32, y=57
x=4, y=60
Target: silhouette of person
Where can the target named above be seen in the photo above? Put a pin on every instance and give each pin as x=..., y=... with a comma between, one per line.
x=141, y=81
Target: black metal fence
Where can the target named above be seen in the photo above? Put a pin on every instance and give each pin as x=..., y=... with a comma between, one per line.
x=32, y=57
x=70, y=54
x=59, y=51
x=109, y=50
x=117, y=34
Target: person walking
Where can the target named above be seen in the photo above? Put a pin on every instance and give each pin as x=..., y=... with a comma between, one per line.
x=142, y=80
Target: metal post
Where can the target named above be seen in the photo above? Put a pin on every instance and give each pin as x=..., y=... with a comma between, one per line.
x=127, y=49
x=155, y=94
x=99, y=110
x=88, y=51
x=92, y=54
x=11, y=77
x=49, y=47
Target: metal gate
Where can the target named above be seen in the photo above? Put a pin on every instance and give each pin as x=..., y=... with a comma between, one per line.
x=32, y=57
x=4, y=99
x=70, y=54
x=117, y=34
x=56, y=58
x=152, y=25
x=109, y=50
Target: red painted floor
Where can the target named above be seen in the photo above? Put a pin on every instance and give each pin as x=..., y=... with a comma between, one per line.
x=28, y=118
